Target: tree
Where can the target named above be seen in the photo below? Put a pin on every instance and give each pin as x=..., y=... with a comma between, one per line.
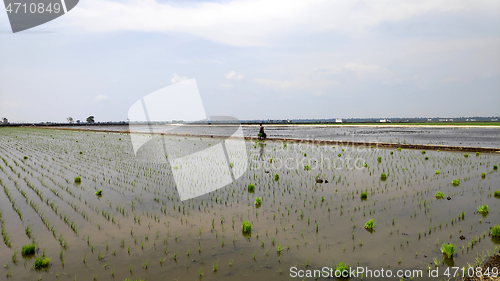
x=90, y=120
x=70, y=120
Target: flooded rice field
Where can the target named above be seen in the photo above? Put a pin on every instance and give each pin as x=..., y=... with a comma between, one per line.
x=487, y=136
x=299, y=205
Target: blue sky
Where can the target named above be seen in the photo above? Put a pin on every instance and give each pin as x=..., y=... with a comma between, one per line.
x=258, y=59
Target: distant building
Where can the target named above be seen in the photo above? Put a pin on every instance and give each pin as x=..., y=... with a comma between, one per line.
x=5, y=121
x=338, y=120
x=494, y=119
x=385, y=121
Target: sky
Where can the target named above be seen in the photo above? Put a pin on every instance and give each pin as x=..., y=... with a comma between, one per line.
x=262, y=59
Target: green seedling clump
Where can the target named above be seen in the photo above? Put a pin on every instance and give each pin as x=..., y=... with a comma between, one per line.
x=258, y=201
x=437, y=172
x=398, y=149
x=495, y=167
x=379, y=159
x=483, y=209
x=495, y=231
x=307, y=167
x=383, y=176
x=496, y=193
x=251, y=188
x=448, y=250
x=455, y=182
x=42, y=262
x=423, y=152
x=439, y=194
x=477, y=153
x=276, y=177
x=25, y=157
x=364, y=195
x=99, y=192
x=369, y=224
x=78, y=179
x=246, y=227
x=466, y=155
x=341, y=268
x=28, y=249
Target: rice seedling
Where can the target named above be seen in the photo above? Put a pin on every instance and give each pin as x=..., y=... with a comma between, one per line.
x=439, y=194
x=364, y=195
x=258, y=201
x=99, y=192
x=251, y=188
x=383, y=176
x=448, y=250
x=495, y=167
x=41, y=262
x=28, y=249
x=246, y=227
x=437, y=172
x=483, y=175
x=276, y=177
x=341, y=269
x=466, y=155
x=78, y=180
x=369, y=224
x=496, y=193
x=455, y=182
x=495, y=231
x=483, y=209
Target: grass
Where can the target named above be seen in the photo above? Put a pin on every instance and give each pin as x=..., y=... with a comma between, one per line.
x=495, y=230
x=448, y=250
x=28, y=249
x=496, y=193
x=78, y=179
x=439, y=194
x=41, y=262
x=455, y=182
x=383, y=176
x=258, y=201
x=246, y=227
x=364, y=195
x=99, y=192
x=251, y=188
x=369, y=224
x=483, y=209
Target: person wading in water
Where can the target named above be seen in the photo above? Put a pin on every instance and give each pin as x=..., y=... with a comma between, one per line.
x=262, y=135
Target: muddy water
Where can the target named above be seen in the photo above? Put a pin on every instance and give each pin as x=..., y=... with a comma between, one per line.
x=314, y=224
x=456, y=136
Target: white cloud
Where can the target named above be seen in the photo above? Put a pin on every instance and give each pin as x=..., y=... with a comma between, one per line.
x=234, y=75
x=226, y=85
x=176, y=78
x=100, y=98
x=253, y=22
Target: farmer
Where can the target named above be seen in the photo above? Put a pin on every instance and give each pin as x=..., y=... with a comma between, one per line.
x=262, y=135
